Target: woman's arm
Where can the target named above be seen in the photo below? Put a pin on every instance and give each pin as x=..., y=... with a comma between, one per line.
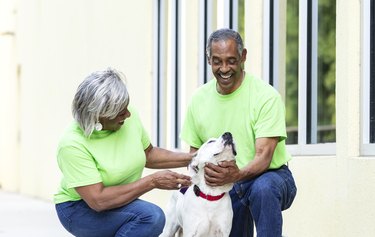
x=159, y=158
x=101, y=198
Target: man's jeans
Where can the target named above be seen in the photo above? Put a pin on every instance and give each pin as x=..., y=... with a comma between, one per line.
x=136, y=219
x=261, y=200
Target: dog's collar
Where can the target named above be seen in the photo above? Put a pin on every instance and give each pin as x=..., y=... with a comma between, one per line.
x=199, y=193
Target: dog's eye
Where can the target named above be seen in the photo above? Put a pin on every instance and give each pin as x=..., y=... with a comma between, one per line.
x=216, y=154
x=210, y=141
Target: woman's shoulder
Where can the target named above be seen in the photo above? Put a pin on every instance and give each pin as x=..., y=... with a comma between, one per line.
x=72, y=135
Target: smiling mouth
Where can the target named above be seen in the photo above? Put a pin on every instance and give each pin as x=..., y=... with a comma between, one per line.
x=226, y=76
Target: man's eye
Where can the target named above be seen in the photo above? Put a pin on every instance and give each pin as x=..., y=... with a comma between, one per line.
x=216, y=61
x=232, y=62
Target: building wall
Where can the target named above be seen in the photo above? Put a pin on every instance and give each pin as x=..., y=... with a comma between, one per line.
x=55, y=44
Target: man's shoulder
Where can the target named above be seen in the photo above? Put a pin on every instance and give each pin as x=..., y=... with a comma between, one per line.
x=204, y=90
x=261, y=87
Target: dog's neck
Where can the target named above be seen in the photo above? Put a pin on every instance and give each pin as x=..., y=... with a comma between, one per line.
x=207, y=197
x=199, y=180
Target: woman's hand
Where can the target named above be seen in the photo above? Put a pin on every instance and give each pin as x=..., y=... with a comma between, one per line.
x=167, y=179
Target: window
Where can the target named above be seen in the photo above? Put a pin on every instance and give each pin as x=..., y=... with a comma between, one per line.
x=167, y=76
x=310, y=60
x=171, y=32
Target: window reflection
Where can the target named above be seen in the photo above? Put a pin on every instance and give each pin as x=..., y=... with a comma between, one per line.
x=326, y=71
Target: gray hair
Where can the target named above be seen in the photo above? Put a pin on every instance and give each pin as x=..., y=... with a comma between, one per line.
x=101, y=94
x=224, y=35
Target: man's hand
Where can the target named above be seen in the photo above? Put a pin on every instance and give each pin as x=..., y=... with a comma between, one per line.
x=223, y=173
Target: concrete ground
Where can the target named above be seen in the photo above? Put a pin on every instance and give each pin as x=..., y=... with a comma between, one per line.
x=26, y=216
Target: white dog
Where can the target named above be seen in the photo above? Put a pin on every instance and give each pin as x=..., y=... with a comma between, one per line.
x=203, y=210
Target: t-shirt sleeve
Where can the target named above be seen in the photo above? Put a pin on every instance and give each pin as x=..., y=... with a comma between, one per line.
x=145, y=138
x=78, y=167
x=271, y=119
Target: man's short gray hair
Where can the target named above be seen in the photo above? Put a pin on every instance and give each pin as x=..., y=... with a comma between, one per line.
x=101, y=94
x=224, y=35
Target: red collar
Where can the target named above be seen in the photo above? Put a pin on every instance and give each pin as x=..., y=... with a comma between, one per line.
x=199, y=193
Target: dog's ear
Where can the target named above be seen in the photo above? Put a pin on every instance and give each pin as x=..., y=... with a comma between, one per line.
x=193, y=165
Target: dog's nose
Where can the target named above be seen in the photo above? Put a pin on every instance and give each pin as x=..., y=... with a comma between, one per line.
x=227, y=137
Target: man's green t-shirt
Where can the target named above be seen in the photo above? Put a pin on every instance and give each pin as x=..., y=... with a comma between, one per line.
x=111, y=157
x=253, y=111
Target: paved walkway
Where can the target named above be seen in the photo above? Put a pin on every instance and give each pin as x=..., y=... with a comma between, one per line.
x=22, y=216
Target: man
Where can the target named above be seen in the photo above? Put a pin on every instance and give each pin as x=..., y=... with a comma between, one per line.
x=254, y=113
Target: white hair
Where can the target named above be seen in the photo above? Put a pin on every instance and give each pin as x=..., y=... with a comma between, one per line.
x=101, y=94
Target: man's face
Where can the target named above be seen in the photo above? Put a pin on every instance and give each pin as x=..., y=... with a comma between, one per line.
x=226, y=65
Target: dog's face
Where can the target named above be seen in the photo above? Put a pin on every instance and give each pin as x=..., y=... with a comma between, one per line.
x=214, y=151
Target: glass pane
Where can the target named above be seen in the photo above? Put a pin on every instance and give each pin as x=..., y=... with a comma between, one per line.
x=291, y=88
x=326, y=71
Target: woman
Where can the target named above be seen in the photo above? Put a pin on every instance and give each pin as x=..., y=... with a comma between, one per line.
x=102, y=155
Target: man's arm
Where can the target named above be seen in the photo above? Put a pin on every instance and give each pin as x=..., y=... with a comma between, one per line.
x=228, y=172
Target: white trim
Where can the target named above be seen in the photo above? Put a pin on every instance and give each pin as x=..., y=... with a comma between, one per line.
x=276, y=43
x=266, y=41
x=366, y=11
x=302, y=72
x=366, y=147
x=201, y=43
x=174, y=115
x=159, y=73
x=312, y=149
x=314, y=73
x=155, y=70
x=208, y=32
x=163, y=72
x=223, y=13
x=234, y=15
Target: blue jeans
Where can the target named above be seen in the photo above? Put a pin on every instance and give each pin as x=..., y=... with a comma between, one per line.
x=138, y=218
x=261, y=200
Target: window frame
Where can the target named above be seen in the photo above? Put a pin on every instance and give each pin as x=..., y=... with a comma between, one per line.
x=367, y=147
x=307, y=78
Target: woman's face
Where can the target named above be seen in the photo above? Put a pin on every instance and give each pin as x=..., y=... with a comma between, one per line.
x=117, y=122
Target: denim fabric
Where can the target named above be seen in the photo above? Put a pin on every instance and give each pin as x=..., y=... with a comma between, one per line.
x=261, y=201
x=138, y=218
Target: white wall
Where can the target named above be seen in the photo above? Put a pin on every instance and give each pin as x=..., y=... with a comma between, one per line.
x=58, y=44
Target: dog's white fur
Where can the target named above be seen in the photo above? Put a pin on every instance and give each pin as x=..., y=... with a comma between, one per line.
x=196, y=216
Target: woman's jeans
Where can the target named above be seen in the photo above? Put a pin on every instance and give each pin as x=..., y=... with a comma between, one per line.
x=136, y=219
x=261, y=200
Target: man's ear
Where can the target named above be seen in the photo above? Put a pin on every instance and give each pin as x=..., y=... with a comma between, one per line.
x=243, y=56
x=208, y=60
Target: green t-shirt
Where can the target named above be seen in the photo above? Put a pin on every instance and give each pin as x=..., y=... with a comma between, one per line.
x=110, y=157
x=253, y=111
